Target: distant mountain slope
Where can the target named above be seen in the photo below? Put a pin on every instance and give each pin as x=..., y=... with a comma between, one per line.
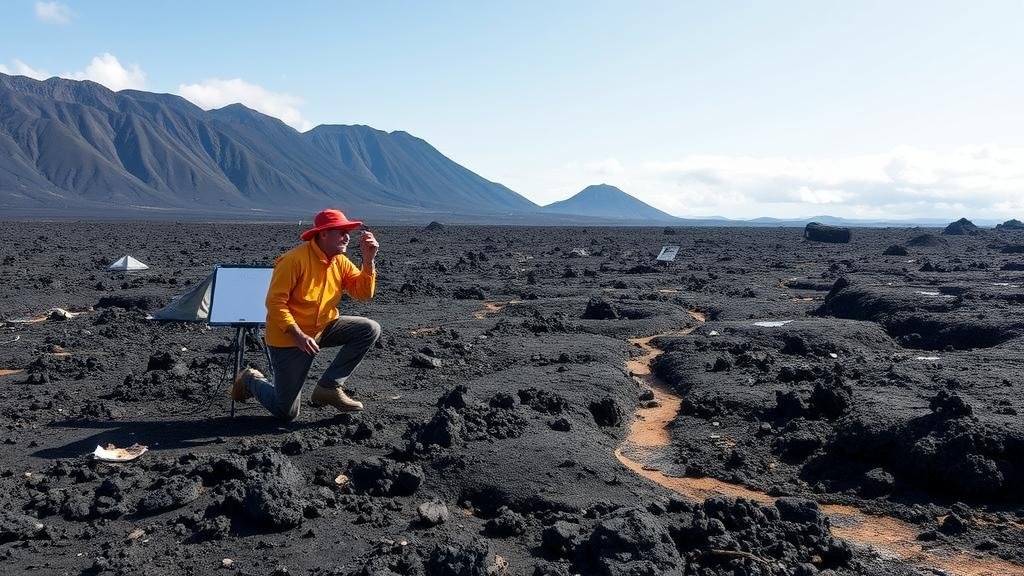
x=67, y=145
x=604, y=201
x=414, y=168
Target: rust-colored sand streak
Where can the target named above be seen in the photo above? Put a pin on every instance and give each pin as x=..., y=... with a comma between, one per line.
x=649, y=428
x=692, y=488
x=7, y=372
x=890, y=537
x=491, y=308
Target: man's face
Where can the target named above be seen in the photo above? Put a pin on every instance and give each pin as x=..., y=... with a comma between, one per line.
x=334, y=242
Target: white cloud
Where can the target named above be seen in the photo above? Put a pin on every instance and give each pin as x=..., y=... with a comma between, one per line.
x=54, y=12
x=216, y=93
x=606, y=167
x=20, y=68
x=107, y=70
x=974, y=181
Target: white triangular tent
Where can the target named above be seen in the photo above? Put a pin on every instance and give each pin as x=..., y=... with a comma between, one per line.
x=192, y=306
x=127, y=264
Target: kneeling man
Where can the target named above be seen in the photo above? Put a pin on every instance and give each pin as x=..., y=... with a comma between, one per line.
x=302, y=318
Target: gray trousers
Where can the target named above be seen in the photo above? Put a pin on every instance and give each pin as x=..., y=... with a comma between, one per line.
x=354, y=334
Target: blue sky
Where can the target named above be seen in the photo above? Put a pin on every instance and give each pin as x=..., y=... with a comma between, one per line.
x=858, y=109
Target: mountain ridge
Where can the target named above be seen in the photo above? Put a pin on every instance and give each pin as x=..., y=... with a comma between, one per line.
x=73, y=148
x=72, y=145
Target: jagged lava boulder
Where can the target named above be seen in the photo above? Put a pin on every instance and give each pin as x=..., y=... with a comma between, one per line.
x=962, y=227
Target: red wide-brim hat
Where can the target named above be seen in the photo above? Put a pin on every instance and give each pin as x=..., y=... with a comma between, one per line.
x=330, y=219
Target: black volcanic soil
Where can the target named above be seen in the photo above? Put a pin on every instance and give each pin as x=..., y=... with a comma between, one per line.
x=498, y=395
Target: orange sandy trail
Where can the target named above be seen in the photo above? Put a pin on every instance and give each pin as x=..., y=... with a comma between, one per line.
x=6, y=372
x=890, y=537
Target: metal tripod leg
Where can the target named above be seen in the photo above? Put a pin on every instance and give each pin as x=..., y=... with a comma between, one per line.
x=239, y=357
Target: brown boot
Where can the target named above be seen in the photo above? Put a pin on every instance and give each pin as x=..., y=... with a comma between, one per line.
x=334, y=397
x=239, y=391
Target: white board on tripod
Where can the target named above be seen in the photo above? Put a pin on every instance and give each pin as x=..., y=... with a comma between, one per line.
x=238, y=295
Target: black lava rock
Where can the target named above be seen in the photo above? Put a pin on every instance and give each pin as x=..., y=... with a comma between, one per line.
x=632, y=541
x=507, y=523
x=560, y=539
x=454, y=560
x=961, y=227
x=469, y=293
x=876, y=482
x=600, y=309
x=607, y=412
x=949, y=405
x=15, y=527
x=543, y=401
x=561, y=424
x=382, y=477
x=173, y=492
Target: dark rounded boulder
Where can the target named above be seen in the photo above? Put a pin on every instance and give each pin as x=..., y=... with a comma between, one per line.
x=818, y=232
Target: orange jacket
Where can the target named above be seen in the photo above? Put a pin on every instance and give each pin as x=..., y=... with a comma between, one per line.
x=305, y=289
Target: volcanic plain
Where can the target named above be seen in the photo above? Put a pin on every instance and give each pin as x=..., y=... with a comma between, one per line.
x=543, y=401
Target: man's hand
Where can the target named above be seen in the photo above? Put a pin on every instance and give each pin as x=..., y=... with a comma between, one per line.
x=303, y=341
x=369, y=245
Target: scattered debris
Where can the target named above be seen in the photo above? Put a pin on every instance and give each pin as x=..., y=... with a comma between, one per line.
x=114, y=454
x=772, y=323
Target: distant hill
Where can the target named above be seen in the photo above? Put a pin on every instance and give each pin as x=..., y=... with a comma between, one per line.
x=604, y=201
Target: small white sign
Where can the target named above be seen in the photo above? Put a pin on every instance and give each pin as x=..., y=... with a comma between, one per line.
x=667, y=254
